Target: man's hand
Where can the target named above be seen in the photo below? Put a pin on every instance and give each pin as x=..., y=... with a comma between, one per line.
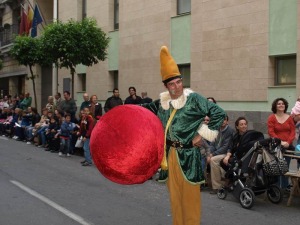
x=197, y=141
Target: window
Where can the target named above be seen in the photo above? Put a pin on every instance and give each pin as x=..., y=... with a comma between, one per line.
x=185, y=71
x=82, y=82
x=183, y=6
x=83, y=9
x=285, y=72
x=116, y=79
x=116, y=14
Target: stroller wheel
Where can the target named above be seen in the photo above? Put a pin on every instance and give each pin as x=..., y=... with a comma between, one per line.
x=247, y=198
x=222, y=193
x=274, y=194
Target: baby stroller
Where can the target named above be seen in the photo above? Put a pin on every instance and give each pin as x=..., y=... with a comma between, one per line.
x=245, y=177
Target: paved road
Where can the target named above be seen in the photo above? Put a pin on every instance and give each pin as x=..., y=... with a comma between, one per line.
x=38, y=187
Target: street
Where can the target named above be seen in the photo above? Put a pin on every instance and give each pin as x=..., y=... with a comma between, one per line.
x=39, y=187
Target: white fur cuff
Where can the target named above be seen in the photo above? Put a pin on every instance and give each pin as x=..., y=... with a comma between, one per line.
x=206, y=133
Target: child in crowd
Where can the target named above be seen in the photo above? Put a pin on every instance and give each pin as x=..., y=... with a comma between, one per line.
x=51, y=131
x=86, y=127
x=65, y=135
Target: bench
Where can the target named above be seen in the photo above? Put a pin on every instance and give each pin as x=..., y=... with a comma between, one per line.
x=291, y=154
x=295, y=190
x=294, y=176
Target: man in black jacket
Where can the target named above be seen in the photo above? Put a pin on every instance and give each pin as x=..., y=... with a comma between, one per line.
x=113, y=101
x=133, y=98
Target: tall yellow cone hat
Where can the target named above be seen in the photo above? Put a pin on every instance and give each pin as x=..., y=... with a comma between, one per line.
x=168, y=67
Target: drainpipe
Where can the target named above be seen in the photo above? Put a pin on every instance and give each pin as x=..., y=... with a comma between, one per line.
x=54, y=68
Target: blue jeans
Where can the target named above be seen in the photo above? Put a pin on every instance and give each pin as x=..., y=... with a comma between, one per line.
x=29, y=135
x=86, y=148
x=65, y=145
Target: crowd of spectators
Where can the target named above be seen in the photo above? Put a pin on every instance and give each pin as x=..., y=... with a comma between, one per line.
x=60, y=125
x=57, y=128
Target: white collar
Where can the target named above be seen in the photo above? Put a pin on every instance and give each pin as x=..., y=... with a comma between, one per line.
x=165, y=99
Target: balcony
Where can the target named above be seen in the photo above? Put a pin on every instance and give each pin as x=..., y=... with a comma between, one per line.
x=8, y=35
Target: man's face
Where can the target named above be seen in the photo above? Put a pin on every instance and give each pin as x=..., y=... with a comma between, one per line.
x=5, y=98
x=27, y=95
x=66, y=96
x=86, y=97
x=131, y=92
x=117, y=94
x=225, y=123
x=175, y=88
x=56, y=97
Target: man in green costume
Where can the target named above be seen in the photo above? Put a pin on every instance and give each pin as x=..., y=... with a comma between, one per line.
x=182, y=112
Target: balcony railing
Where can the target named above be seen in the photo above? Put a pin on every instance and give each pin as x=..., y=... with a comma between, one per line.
x=7, y=36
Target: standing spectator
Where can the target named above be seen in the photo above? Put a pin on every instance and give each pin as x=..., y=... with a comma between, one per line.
x=218, y=151
x=281, y=125
x=145, y=98
x=95, y=107
x=65, y=135
x=113, y=101
x=86, y=101
x=133, y=98
x=26, y=102
x=58, y=100
x=50, y=105
x=68, y=105
x=86, y=128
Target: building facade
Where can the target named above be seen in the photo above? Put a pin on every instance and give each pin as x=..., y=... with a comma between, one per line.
x=241, y=52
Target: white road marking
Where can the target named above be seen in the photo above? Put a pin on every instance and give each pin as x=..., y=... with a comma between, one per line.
x=54, y=205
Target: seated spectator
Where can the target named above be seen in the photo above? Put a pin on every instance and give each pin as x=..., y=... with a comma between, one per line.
x=35, y=118
x=5, y=124
x=281, y=125
x=53, y=142
x=241, y=126
x=25, y=122
x=204, y=149
x=218, y=151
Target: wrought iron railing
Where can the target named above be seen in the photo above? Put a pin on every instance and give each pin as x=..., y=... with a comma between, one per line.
x=8, y=35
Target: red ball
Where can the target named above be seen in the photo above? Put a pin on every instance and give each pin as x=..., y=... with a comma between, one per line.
x=127, y=144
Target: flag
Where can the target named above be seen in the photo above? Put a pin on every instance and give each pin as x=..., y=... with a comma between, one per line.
x=23, y=22
x=29, y=19
x=37, y=19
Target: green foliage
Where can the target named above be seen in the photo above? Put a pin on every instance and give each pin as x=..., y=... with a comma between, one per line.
x=28, y=51
x=75, y=42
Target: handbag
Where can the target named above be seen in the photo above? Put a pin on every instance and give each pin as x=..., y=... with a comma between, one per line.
x=79, y=143
x=274, y=165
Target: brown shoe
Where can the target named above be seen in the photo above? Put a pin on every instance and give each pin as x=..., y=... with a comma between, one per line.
x=213, y=191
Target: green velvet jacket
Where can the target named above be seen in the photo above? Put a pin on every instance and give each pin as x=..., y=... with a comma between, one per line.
x=187, y=122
